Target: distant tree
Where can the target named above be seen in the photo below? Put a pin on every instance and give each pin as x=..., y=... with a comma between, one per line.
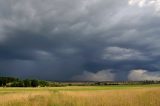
x=97, y=83
x=43, y=83
x=17, y=84
x=4, y=82
x=34, y=83
x=27, y=83
x=1, y=82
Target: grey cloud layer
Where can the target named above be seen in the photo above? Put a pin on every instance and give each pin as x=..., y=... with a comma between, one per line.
x=59, y=39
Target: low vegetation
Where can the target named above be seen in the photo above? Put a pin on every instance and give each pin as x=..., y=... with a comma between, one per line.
x=31, y=92
x=82, y=96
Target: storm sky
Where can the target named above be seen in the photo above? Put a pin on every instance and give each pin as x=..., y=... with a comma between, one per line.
x=81, y=40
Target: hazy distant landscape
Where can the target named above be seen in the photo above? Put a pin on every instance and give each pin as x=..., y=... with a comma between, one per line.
x=16, y=82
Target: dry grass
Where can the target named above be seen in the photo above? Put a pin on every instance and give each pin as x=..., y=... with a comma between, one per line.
x=23, y=98
x=126, y=97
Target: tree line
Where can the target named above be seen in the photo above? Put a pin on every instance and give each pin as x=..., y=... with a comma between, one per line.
x=110, y=83
x=15, y=82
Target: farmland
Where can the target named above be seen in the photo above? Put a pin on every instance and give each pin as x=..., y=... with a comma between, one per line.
x=122, y=95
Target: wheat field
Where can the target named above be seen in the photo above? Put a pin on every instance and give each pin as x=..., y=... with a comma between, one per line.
x=81, y=96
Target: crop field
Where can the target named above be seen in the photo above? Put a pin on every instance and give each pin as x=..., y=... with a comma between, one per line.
x=146, y=95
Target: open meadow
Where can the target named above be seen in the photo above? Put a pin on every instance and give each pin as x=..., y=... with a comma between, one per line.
x=135, y=95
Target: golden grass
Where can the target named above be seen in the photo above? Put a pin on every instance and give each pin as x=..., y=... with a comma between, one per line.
x=22, y=98
x=127, y=97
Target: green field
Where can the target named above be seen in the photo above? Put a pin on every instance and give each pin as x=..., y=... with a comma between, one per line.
x=129, y=95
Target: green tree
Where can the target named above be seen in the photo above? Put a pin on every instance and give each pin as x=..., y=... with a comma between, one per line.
x=34, y=83
x=4, y=82
x=1, y=82
x=17, y=84
x=43, y=83
x=27, y=83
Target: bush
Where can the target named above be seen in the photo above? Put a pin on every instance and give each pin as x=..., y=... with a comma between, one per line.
x=27, y=83
x=43, y=83
x=17, y=84
x=34, y=83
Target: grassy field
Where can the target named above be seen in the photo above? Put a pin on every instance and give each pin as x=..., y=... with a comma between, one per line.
x=82, y=96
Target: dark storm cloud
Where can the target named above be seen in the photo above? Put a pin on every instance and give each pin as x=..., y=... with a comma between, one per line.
x=79, y=39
